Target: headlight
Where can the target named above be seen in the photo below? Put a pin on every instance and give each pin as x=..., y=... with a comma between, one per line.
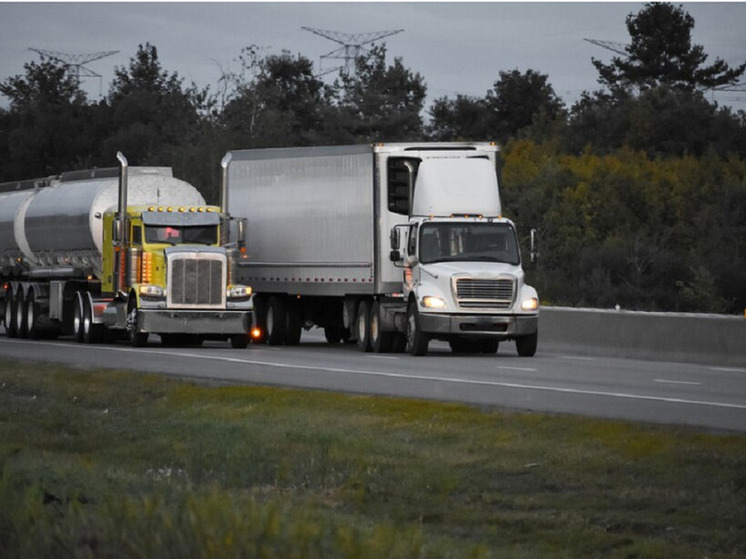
x=151, y=290
x=433, y=302
x=530, y=304
x=237, y=291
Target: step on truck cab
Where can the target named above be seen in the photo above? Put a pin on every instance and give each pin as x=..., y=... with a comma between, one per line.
x=389, y=246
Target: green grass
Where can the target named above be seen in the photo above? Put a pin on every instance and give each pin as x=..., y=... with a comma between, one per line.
x=116, y=464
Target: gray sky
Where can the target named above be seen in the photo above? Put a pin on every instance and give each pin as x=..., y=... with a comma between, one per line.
x=458, y=47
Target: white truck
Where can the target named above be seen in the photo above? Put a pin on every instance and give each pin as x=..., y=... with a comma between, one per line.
x=389, y=245
x=118, y=252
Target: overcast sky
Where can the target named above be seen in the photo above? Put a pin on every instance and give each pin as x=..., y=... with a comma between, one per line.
x=458, y=47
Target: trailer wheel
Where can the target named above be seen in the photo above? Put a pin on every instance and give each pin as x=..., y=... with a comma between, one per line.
x=526, y=345
x=10, y=315
x=78, y=317
x=21, y=325
x=417, y=340
x=276, y=320
x=294, y=322
x=32, y=316
x=362, y=326
x=380, y=341
x=137, y=339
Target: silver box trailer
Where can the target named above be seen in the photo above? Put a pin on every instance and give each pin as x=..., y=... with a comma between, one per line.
x=327, y=242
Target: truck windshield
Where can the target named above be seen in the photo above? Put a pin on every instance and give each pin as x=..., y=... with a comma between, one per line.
x=459, y=241
x=180, y=234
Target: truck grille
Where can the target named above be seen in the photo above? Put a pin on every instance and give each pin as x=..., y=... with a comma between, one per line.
x=488, y=293
x=196, y=280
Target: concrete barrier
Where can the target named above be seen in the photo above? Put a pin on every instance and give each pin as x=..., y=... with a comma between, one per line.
x=689, y=338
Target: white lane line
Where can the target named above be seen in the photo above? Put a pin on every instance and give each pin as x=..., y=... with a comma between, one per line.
x=451, y=380
x=382, y=357
x=669, y=381
x=727, y=369
x=524, y=369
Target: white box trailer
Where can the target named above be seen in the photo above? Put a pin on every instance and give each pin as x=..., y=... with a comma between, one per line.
x=333, y=240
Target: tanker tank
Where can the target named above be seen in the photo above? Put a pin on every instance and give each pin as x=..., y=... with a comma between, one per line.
x=56, y=224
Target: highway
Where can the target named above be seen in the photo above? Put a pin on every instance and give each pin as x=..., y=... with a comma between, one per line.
x=661, y=392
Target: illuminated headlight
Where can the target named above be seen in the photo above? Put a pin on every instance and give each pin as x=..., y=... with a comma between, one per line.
x=530, y=304
x=151, y=290
x=430, y=302
x=237, y=291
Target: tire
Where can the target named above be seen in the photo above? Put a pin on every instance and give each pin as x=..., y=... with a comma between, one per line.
x=11, y=329
x=92, y=333
x=260, y=320
x=78, y=317
x=239, y=341
x=526, y=345
x=417, y=340
x=136, y=339
x=334, y=334
x=362, y=326
x=21, y=325
x=33, y=327
x=294, y=322
x=276, y=320
x=380, y=341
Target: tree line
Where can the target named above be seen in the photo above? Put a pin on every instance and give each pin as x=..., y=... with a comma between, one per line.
x=638, y=190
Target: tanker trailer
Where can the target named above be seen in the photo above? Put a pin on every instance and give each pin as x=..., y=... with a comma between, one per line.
x=121, y=252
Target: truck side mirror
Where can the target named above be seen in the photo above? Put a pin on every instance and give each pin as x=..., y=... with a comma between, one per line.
x=394, y=238
x=395, y=256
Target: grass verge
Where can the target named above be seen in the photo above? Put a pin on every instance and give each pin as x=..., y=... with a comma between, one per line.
x=116, y=464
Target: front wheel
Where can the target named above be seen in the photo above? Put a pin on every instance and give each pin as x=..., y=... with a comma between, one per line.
x=136, y=338
x=526, y=345
x=417, y=340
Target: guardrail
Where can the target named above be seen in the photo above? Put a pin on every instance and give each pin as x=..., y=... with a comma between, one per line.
x=681, y=337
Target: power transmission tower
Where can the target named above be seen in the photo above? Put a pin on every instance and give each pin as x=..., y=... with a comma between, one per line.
x=75, y=63
x=352, y=46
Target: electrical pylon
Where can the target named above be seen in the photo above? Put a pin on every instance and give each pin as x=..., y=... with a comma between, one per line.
x=352, y=45
x=75, y=63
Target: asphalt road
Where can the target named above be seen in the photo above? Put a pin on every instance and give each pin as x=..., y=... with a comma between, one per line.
x=646, y=391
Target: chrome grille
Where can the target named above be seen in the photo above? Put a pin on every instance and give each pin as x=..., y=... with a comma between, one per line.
x=196, y=280
x=485, y=293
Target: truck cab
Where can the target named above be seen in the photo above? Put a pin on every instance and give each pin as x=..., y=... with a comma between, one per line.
x=462, y=274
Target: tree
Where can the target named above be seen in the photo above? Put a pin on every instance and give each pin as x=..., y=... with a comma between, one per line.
x=661, y=53
x=47, y=127
x=379, y=102
x=463, y=118
x=519, y=100
x=149, y=110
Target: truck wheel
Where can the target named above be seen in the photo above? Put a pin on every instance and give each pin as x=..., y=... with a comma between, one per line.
x=239, y=341
x=92, y=333
x=260, y=320
x=526, y=345
x=10, y=315
x=417, y=340
x=32, y=317
x=294, y=323
x=380, y=341
x=362, y=326
x=137, y=339
x=276, y=320
x=78, y=317
x=21, y=325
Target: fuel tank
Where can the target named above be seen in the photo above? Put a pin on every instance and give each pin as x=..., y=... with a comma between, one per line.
x=56, y=224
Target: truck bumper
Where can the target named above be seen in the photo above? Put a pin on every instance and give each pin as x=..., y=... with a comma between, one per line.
x=485, y=325
x=193, y=321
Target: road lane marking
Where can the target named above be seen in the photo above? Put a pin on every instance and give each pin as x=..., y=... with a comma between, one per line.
x=524, y=369
x=727, y=369
x=668, y=381
x=385, y=374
